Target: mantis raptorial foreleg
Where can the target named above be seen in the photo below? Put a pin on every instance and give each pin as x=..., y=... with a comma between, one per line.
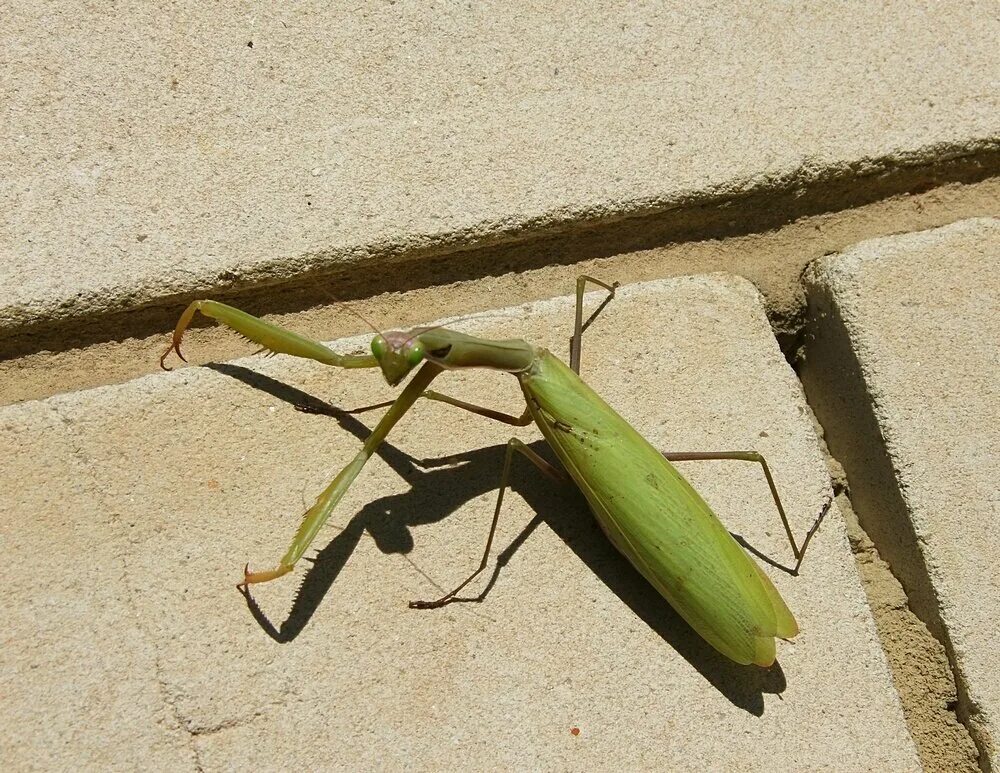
x=515, y=421
x=316, y=516
x=754, y=456
x=270, y=337
x=277, y=339
x=553, y=472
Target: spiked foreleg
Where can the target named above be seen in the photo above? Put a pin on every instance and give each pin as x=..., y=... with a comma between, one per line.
x=270, y=337
x=317, y=515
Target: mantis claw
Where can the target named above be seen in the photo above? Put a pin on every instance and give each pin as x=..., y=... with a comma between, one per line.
x=249, y=578
x=182, y=324
x=174, y=346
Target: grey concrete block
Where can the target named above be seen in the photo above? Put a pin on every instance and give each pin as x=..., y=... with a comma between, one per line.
x=164, y=486
x=904, y=372
x=150, y=152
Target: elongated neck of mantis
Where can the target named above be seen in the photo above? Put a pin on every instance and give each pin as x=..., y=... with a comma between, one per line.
x=452, y=349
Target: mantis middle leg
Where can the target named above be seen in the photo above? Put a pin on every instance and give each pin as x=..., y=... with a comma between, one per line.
x=576, y=342
x=575, y=349
x=512, y=445
x=523, y=420
x=753, y=456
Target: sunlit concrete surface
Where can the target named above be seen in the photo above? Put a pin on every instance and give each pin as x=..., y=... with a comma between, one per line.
x=151, y=150
x=128, y=512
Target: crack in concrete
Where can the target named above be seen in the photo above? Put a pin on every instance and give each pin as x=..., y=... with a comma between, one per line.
x=198, y=731
x=84, y=463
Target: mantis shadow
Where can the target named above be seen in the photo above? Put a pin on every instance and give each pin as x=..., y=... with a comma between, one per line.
x=438, y=490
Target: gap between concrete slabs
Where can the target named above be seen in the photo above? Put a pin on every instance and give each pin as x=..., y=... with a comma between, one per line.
x=903, y=372
x=122, y=307
x=170, y=482
x=773, y=261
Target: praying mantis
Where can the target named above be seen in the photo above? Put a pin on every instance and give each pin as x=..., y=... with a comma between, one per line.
x=648, y=511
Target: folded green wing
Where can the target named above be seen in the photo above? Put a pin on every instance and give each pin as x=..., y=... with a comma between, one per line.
x=657, y=520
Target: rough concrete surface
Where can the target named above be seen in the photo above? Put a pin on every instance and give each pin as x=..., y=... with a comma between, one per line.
x=152, y=150
x=904, y=373
x=132, y=508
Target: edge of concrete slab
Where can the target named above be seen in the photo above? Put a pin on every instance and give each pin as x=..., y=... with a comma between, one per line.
x=852, y=411
x=515, y=243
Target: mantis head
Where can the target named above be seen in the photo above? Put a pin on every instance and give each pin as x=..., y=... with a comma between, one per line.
x=398, y=353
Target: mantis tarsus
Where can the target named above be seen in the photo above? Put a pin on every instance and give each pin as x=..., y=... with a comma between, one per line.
x=650, y=513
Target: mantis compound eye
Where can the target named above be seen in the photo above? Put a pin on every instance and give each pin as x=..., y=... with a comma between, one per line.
x=415, y=353
x=378, y=347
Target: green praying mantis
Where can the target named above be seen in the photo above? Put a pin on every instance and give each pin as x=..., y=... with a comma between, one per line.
x=651, y=514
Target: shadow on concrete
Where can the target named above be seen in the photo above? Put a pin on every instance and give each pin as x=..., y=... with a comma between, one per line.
x=437, y=491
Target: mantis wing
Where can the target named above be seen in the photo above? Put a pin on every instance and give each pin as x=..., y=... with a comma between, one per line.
x=657, y=520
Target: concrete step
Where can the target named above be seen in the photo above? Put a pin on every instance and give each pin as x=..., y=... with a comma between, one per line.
x=132, y=508
x=152, y=154
x=904, y=373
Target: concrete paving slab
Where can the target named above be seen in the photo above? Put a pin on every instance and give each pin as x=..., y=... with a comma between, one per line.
x=182, y=477
x=904, y=373
x=155, y=151
x=79, y=682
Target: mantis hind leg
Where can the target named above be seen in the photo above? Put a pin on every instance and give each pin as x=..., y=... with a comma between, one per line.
x=576, y=342
x=512, y=445
x=798, y=551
